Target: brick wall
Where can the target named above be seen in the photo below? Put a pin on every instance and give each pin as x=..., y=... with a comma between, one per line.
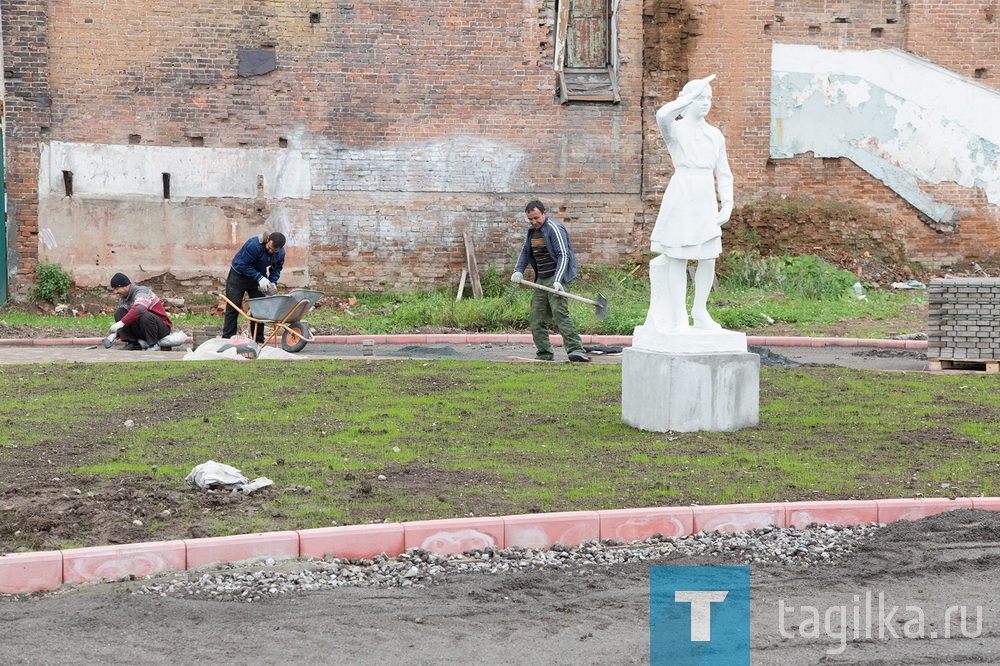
x=960, y=36
x=28, y=101
x=419, y=119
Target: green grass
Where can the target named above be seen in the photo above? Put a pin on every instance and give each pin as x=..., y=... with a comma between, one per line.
x=802, y=293
x=455, y=438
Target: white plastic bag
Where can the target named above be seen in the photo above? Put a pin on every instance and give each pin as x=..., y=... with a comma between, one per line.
x=215, y=475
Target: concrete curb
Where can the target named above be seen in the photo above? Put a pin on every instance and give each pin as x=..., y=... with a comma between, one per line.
x=516, y=338
x=48, y=570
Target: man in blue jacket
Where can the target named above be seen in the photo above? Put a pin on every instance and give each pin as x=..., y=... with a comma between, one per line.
x=254, y=272
x=548, y=250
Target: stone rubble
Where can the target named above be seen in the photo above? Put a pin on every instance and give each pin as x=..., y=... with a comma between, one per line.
x=417, y=567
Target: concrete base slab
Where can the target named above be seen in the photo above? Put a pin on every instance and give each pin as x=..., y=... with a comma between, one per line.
x=689, y=392
x=689, y=340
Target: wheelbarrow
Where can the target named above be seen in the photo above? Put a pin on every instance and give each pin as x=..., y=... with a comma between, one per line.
x=284, y=314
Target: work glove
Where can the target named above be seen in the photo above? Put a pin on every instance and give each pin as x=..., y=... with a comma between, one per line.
x=273, y=288
x=264, y=284
x=115, y=327
x=517, y=277
x=558, y=286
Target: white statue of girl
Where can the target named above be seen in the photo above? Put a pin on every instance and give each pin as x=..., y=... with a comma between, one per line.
x=688, y=227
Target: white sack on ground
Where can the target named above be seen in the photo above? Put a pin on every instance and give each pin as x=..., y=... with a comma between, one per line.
x=217, y=475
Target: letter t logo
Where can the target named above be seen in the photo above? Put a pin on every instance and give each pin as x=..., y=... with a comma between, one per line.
x=701, y=611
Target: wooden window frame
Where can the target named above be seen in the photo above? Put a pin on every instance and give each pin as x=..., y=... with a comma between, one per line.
x=566, y=74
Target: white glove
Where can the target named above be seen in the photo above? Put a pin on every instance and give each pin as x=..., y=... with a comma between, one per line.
x=558, y=286
x=115, y=327
x=273, y=288
x=517, y=277
x=264, y=284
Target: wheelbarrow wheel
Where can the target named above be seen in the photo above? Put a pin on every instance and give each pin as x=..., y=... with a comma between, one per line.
x=293, y=339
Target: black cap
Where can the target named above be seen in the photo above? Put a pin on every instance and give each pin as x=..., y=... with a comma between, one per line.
x=120, y=280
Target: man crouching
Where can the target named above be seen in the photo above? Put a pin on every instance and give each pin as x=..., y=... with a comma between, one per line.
x=140, y=318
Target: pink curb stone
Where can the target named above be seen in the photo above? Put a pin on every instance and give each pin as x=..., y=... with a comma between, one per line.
x=640, y=524
x=11, y=342
x=241, y=547
x=848, y=512
x=82, y=565
x=52, y=342
x=738, y=517
x=541, y=530
x=455, y=339
x=779, y=341
x=30, y=572
x=483, y=338
x=331, y=339
x=407, y=339
x=915, y=344
x=446, y=537
x=358, y=339
x=614, y=340
x=520, y=338
x=986, y=503
x=352, y=541
x=891, y=510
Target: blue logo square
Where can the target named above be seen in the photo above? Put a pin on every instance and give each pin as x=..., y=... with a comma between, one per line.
x=699, y=615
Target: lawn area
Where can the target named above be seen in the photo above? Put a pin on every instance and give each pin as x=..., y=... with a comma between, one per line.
x=97, y=453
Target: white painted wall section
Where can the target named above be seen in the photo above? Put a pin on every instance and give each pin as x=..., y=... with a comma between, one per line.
x=454, y=164
x=102, y=171
x=903, y=119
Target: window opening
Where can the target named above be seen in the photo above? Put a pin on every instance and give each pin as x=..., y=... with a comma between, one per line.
x=586, y=53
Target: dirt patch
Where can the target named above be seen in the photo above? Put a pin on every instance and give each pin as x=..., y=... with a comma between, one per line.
x=851, y=236
x=891, y=353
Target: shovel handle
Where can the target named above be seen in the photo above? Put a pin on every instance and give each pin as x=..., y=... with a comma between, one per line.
x=564, y=294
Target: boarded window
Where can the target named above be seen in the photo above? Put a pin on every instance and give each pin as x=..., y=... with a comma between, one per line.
x=586, y=50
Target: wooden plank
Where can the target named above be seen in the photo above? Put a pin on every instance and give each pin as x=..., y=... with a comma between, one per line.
x=470, y=259
x=562, y=22
x=461, y=285
x=989, y=366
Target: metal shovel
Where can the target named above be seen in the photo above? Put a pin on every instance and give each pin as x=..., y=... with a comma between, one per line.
x=600, y=305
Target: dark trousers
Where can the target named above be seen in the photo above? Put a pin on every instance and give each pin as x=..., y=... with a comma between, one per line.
x=148, y=328
x=546, y=307
x=238, y=286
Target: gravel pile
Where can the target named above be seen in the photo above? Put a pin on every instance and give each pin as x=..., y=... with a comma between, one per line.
x=416, y=567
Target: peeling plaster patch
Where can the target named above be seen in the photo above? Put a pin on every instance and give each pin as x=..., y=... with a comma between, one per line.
x=902, y=119
x=103, y=171
x=456, y=164
x=47, y=238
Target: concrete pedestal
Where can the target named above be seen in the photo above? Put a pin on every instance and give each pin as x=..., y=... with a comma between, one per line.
x=692, y=390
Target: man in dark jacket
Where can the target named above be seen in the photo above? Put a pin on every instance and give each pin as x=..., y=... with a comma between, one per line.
x=140, y=318
x=548, y=250
x=254, y=272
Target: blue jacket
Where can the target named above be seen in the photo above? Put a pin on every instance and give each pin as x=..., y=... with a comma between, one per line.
x=253, y=261
x=557, y=243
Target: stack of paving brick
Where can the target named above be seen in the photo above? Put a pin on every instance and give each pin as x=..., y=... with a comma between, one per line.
x=963, y=322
